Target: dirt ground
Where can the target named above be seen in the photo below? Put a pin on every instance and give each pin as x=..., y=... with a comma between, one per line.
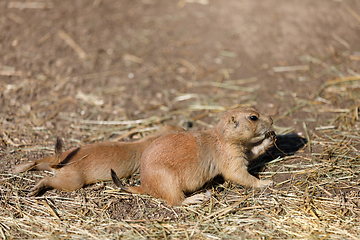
x=79, y=69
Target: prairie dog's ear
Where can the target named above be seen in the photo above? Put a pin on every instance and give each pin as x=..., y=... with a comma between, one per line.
x=234, y=121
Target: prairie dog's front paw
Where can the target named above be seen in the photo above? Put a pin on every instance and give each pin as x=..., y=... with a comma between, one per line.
x=197, y=198
x=265, y=183
x=268, y=142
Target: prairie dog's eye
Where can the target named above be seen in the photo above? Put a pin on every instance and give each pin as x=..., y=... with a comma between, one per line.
x=253, y=118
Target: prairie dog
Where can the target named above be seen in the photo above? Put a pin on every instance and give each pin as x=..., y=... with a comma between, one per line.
x=91, y=163
x=183, y=162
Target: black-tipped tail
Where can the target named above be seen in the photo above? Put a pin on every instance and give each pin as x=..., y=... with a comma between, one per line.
x=117, y=181
x=58, y=149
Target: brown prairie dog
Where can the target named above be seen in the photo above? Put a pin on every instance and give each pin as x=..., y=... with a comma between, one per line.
x=91, y=163
x=183, y=162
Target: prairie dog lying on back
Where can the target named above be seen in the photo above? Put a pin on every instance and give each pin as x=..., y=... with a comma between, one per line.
x=183, y=162
x=91, y=163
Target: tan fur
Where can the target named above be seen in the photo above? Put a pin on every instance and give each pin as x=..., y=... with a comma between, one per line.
x=91, y=163
x=181, y=163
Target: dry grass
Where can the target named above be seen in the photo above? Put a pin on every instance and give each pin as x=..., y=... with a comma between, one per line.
x=316, y=195
x=317, y=190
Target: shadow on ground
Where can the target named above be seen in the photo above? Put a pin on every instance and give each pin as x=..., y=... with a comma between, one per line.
x=285, y=145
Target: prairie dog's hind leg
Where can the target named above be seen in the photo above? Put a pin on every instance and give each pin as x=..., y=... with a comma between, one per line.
x=169, y=189
x=40, y=165
x=60, y=183
x=40, y=188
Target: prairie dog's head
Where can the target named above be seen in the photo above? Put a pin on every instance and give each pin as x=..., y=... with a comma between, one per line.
x=243, y=124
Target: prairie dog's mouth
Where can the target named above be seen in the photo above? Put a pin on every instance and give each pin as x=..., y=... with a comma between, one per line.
x=265, y=131
x=260, y=136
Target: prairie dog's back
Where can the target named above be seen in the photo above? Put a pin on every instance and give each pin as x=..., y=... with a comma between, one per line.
x=189, y=157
